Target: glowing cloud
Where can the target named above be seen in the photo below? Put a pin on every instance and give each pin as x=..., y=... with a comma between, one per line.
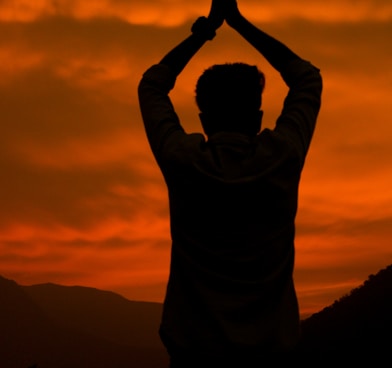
x=174, y=13
x=83, y=201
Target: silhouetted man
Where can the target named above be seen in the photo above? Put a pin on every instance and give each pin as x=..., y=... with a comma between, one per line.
x=233, y=199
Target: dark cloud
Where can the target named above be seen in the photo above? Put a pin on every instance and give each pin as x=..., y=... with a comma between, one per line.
x=76, y=167
x=74, y=197
x=358, y=227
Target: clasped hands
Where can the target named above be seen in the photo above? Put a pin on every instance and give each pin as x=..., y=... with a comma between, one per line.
x=222, y=10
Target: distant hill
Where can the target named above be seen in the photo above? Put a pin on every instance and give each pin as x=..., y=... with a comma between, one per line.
x=78, y=327
x=357, y=327
x=75, y=327
x=99, y=313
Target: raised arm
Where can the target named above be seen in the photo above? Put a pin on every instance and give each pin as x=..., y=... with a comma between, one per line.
x=274, y=51
x=302, y=103
x=160, y=119
x=203, y=30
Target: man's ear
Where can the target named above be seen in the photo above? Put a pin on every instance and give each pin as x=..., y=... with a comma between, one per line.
x=205, y=123
x=260, y=114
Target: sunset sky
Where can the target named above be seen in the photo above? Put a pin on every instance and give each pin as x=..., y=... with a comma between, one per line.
x=82, y=200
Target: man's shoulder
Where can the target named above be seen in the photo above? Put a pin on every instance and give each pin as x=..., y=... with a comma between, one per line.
x=182, y=146
x=302, y=71
x=159, y=75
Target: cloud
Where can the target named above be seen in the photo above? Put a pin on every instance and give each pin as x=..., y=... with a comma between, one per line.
x=132, y=269
x=163, y=13
x=83, y=201
x=98, y=232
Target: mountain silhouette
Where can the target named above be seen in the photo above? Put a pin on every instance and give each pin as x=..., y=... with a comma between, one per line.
x=53, y=326
x=99, y=313
x=356, y=328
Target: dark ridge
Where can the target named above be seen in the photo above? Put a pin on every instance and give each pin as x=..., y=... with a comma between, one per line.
x=31, y=336
x=100, y=313
x=356, y=327
x=52, y=326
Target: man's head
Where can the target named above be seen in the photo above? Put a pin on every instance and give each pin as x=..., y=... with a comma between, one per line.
x=229, y=98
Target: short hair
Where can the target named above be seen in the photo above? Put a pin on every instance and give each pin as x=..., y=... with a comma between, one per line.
x=229, y=93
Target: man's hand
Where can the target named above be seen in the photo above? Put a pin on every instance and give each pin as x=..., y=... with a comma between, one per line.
x=231, y=12
x=216, y=15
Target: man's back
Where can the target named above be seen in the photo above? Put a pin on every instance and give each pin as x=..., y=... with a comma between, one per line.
x=233, y=201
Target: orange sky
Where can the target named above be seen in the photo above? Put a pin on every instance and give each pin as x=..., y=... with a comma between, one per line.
x=82, y=200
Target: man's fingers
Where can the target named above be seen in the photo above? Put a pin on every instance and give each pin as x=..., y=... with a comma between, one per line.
x=216, y=14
